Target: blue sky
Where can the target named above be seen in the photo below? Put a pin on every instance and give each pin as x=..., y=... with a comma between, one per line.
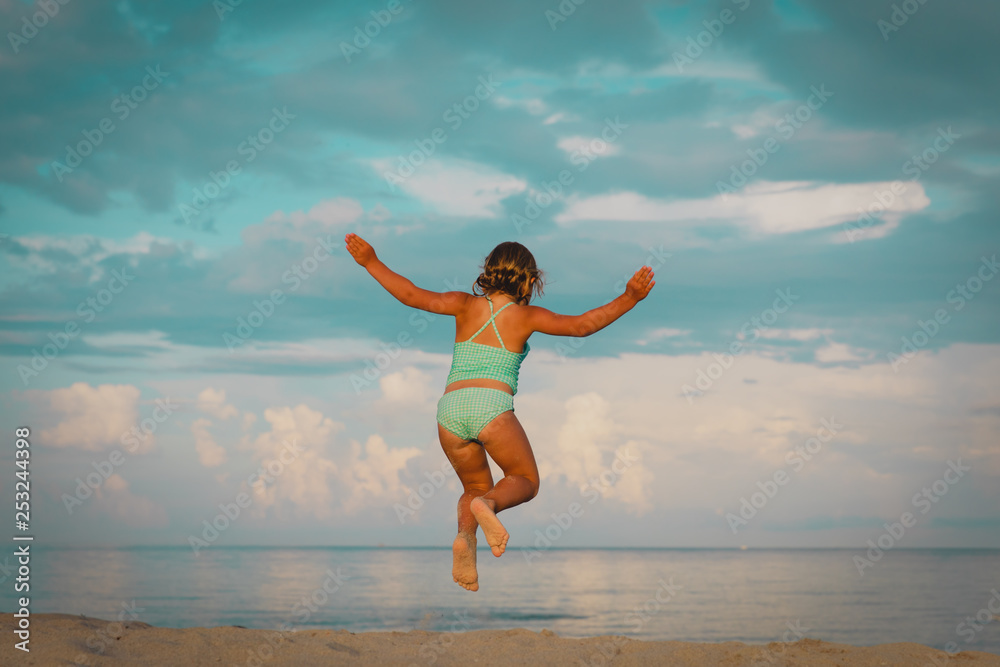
x=814, y=183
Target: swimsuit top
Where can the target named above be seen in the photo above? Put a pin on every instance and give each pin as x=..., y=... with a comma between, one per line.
x=475, y=361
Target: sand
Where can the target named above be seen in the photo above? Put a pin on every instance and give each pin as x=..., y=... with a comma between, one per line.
x=63, y=639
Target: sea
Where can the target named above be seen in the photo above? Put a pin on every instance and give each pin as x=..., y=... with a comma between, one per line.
x=945, y=598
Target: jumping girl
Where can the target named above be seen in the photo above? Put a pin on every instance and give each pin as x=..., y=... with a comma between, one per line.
x=476, y=414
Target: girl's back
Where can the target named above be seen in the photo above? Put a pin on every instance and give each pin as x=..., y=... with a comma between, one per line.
x=512, y=323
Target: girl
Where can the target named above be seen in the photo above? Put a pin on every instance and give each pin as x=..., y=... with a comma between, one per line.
x=476, y=414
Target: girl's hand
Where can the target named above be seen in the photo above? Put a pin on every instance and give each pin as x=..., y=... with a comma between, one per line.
x=640, y=284
x=360, y=250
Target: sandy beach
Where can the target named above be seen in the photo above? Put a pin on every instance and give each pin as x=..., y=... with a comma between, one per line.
x=62, y=639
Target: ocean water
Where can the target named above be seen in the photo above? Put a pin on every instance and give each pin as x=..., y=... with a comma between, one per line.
x=707, y=595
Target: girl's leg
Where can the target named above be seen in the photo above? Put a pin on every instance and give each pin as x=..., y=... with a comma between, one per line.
x=470, y=464
x=506, y=442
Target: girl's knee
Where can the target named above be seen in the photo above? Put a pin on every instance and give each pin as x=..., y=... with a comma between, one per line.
x=477, y=489
x=533, y=481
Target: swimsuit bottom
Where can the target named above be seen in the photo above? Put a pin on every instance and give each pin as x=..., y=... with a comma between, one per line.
x=466, y=411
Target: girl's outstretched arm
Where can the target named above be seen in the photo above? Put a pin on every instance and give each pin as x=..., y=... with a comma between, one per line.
x=443, y=303
x=546, y=322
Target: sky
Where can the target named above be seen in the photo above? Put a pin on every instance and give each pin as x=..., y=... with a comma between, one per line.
x=198, y=361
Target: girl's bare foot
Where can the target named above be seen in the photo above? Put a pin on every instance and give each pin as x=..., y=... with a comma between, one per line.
x=463, y=568
x=496, y=534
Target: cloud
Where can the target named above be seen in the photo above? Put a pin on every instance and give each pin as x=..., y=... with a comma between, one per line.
x=763, y=207
x=310, y=474
x=116, y=500
x=410, y=386
x=91, y=418
x=585, y=145
x=587, y=447
x=896, y=429
x=374, y=479
x=303, y=226
x=458, y=187
x=662, y=332
x=794, y=334
x=839, y=352
x=48, y=254
x=210, y=454
x=213, y=402
x=294, y=453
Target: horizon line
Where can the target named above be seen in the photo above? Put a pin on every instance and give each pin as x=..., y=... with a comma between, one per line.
x=484, y=548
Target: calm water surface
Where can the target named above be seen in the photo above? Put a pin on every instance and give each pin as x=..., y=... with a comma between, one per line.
x=923, y=596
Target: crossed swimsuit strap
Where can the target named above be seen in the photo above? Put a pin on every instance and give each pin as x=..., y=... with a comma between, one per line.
x=492, y=321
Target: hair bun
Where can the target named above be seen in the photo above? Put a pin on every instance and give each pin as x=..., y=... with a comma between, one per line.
x=509, y=269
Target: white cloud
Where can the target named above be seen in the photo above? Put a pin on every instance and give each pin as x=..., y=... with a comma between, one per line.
x=303, y=226
x=91, y=418
x=374, y=479
x=557, y=117
x=162, y=354
x=313, y=478
x=210, y=454
x=533, y=105
x=709, y=452
x=794, y=334
x=662, y=332
x=706, y=68
x=458, y=187
x=763, y=207
x=115, y=499
x=296, y=448
x=586, y=448
x=834, y=352
x=411, y=386
x=585, y=145
x=213, y=402
x=90, y=252
x=249, y=419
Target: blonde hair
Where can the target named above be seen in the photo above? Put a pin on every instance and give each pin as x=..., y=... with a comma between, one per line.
x=509, y=269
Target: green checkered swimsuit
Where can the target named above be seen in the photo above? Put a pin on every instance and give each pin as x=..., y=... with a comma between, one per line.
x=466, y=411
